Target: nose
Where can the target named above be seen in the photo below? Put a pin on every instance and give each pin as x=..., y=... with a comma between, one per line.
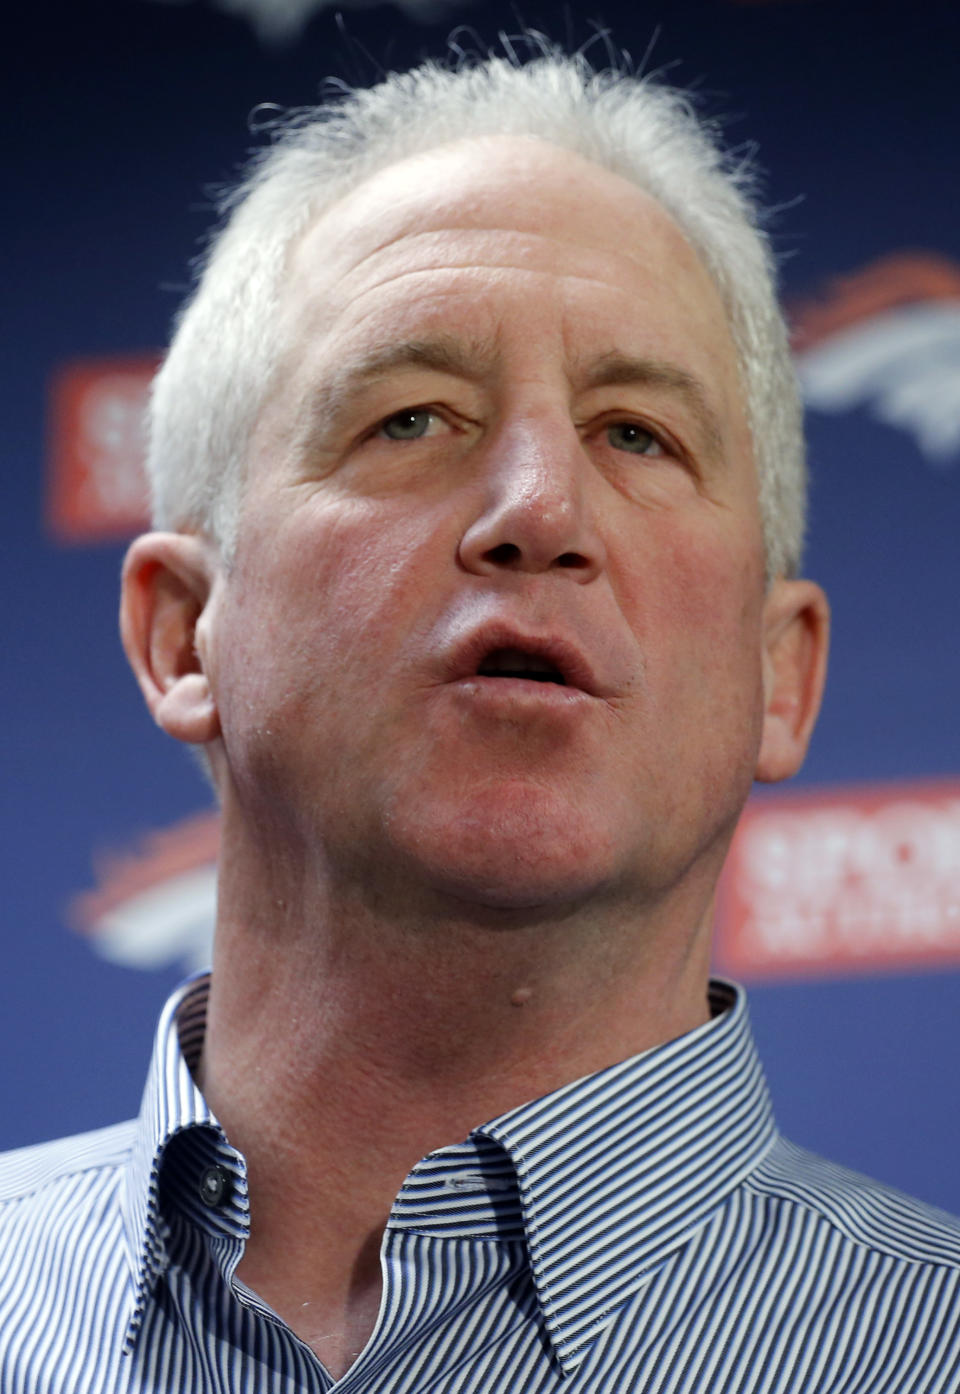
x=537, y=513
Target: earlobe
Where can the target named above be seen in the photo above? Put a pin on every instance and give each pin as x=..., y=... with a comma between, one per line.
x=796, y=639
x=168, y=580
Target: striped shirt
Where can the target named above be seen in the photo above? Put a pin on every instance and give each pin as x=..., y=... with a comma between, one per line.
x=643, y=1229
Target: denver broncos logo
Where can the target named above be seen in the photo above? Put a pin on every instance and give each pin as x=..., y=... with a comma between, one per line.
x=156, y=904
x=888, y=338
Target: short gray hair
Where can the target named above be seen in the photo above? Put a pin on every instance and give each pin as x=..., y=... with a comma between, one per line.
x=209, y=392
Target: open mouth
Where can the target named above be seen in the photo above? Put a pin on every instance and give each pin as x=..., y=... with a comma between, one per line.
x=514, y=663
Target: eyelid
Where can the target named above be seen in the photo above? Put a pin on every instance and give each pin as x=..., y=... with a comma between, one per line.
x=408, y=411
x=667, y=442
x=657, y=446
x=376, y=429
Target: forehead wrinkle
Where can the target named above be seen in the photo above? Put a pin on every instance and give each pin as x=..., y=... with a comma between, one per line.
x=454, y=267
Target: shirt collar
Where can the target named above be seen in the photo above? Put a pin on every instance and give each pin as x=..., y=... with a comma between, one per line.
x=174, y=1108
x=617, y=1170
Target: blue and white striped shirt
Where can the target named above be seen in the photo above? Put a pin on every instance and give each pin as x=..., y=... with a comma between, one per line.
x=643, y=1229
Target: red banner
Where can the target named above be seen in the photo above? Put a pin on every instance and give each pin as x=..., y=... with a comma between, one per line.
x=97, y=490
x=854, y=880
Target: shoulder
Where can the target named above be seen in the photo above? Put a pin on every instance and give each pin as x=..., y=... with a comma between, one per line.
x=32, y=1173
x=864, y=1212
x=66, y=1274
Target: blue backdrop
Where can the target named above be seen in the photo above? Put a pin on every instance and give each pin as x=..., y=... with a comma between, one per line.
x=122, y=112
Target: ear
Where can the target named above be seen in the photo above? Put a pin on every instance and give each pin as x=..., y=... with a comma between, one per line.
x=168, y=580
x=796, y=639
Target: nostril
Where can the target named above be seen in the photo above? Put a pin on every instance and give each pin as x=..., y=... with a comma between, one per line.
x=509, y=554
x=506, y=554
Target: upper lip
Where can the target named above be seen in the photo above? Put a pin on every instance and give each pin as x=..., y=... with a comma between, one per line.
x=561, y=653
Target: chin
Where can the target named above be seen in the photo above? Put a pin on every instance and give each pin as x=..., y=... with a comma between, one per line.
x=515, y=849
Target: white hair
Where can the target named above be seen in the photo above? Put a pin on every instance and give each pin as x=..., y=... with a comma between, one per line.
x=226, y=349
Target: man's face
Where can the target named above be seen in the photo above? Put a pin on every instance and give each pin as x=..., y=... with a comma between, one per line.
x=495, y=618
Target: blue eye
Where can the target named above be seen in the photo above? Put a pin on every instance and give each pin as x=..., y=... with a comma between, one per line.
x=408, y=425
x=627, y=435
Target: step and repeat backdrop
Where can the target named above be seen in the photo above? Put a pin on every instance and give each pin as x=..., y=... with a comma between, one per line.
x=841, y=902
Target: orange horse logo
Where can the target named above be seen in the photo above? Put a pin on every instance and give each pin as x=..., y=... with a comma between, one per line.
x=887, y=337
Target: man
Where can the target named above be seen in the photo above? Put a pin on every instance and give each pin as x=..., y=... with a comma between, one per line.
x=478, y=466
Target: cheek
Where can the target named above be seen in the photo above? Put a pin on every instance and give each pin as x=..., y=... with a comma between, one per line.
x=697, y=608
x=706, y=675
x=323, y=594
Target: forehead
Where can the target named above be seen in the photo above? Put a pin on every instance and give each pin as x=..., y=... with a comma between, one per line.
x=504, y=239
x=510, y=183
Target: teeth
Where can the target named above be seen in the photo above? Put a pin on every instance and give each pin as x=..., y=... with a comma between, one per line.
x=520, y=664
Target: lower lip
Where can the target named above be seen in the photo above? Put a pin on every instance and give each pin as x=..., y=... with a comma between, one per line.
x=521, y=693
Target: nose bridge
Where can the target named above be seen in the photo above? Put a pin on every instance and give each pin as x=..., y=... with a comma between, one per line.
x=537, y=511
x=535, y=466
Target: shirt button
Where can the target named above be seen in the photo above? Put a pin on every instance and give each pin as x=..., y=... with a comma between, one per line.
x=215, y=1187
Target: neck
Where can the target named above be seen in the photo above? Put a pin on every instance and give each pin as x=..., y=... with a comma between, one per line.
x=337, y=1033
x=340, y=1016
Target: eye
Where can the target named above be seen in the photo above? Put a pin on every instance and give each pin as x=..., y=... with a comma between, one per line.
x=628, y=436
x=410, y=424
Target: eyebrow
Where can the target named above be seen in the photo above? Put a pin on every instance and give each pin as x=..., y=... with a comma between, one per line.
x=439, y=355
x=449, y=355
